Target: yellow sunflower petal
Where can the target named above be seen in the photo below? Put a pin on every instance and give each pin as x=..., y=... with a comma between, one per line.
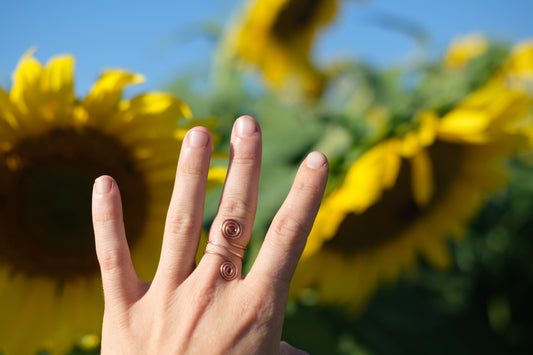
x=26, y=95
x=217, y=176
x=105, y=95
x=392, y=163
x=57, y=85
x=423, y=136
x=157, y=103
x=26, y=80
x=465, y=122
x=372, y=175
x=521, y=60
x=42, y=96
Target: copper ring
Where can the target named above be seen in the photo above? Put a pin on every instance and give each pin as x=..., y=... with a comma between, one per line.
x=231, y=229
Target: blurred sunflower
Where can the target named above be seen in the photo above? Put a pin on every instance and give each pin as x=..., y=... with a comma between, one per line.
x=464, y=49
x=277, y=36
x=52, y=147
x=408, y=195
x=500, y=105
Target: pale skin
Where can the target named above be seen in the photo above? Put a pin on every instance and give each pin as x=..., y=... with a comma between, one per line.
x=189, y=308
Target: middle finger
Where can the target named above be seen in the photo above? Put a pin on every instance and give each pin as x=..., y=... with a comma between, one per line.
x=184, y=218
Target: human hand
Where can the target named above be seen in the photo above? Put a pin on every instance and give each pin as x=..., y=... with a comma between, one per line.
x=209, y=308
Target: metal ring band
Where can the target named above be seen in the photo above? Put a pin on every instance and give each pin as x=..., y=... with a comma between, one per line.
x=226, y=248
x=231, y=229
x=228, y=270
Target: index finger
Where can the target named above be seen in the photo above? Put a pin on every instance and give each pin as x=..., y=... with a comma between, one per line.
x=287, y=235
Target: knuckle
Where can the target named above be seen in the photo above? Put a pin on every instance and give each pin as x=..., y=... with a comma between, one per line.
x=235, y=207
x=305, y=187
x=288, y=230
x=204, y=295
x=265, y=311
x=256, y=311
x=105, y=215
x=111, y=261
x=180, y=224
x=192, y=169
x=246, y=157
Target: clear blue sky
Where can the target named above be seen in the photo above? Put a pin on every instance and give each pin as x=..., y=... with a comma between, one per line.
x=161, y=39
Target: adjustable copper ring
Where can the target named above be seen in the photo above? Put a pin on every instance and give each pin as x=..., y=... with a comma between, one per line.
x=228, y=269
x=231, y=229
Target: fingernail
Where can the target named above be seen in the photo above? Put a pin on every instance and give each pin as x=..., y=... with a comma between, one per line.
x=103, y=184
x=246, y=126
x=198, y=138
x=315, y=160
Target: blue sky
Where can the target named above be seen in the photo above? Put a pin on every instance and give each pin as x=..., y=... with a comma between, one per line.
x=163, y=39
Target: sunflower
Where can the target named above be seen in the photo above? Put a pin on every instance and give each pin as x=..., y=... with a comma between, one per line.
x=52, y=147
x=407, y=196
x=499, y=106
x=277, y=36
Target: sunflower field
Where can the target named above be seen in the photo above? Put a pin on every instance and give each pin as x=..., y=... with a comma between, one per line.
x=424, y=240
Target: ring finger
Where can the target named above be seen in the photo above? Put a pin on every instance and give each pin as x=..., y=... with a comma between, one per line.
x=232, y=226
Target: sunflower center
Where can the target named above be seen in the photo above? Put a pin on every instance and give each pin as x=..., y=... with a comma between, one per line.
x=397, y=210
x=294, y=18
x=45, y=200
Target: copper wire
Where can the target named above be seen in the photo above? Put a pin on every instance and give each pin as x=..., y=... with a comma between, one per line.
x=228, y=270
x=236, y=245
x=231, y=229
x=225, y=248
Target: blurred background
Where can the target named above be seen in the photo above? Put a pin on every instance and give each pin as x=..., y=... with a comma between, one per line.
x=424, y=241
x=169, y=38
